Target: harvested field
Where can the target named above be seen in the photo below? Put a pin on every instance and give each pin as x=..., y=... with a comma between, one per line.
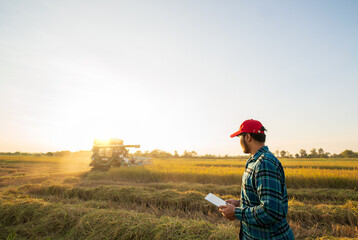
x=57, y=198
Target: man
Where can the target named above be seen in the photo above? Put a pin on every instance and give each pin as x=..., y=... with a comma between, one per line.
x=263, y=206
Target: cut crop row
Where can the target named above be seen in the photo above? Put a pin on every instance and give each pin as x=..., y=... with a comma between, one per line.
x=190, y=201
x=35, y=219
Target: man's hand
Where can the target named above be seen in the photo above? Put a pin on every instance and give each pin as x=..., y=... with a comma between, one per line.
x=228, y=211
x=234, y=202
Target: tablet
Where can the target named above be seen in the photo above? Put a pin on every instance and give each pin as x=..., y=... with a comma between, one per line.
x=215, y=200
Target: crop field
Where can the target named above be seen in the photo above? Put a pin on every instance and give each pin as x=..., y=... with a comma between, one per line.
x=60, y=198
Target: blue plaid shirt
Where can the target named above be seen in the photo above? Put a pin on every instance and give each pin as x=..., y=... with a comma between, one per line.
x=264, y=203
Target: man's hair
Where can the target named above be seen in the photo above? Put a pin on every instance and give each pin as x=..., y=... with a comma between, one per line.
x=259, y=137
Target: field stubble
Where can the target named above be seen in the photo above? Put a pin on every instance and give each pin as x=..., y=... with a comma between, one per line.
x=164, y=200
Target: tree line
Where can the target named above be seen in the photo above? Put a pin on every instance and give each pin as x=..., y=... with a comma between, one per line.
x=157, y=153
x=48, y=154
x=314, y=153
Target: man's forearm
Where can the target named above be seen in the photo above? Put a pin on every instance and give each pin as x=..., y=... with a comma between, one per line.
x=257, y=215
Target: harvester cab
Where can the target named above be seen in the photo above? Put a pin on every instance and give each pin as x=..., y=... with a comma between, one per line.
x=110, y=153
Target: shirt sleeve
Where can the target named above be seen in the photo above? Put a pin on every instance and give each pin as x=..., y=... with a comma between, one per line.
x=269, y=189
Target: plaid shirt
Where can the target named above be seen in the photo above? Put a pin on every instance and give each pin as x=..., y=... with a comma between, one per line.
x=263, y=200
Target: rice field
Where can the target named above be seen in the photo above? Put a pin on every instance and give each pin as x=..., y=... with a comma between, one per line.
x=60, y=198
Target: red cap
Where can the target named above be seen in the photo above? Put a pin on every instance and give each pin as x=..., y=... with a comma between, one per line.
x=249, y=126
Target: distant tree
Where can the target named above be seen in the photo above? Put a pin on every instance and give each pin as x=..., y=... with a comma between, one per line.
x=349, y=154
x=313, y=153
x=334, y=155
x=297, y=155
x=283, y=153
x=277, y=153
x=156, y=153
x=176, y=154
x=49, y=154
x=146, y=154
x=138, y=153
x=322, y=154
x=303, y=153
x=188, y=154
x=193, y=154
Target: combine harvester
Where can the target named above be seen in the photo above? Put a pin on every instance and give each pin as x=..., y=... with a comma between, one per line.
x=112, y=153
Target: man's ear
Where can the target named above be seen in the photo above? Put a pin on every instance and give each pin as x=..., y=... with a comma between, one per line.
x=248, y=137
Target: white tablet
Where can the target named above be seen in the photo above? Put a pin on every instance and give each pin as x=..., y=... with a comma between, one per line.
x=215, y=200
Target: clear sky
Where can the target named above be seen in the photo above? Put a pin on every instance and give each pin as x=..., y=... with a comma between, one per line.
x=178, y=75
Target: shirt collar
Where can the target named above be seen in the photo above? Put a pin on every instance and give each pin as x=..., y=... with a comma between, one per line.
x=258, y=154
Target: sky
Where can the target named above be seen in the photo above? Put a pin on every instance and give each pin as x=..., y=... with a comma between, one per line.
x=178, y=75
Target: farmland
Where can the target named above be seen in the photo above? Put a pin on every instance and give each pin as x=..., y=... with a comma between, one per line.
x=60, y=198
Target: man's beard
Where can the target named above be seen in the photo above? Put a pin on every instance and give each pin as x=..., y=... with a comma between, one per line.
x=246, y=147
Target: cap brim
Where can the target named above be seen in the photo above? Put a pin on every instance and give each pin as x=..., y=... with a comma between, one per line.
x=235, y=134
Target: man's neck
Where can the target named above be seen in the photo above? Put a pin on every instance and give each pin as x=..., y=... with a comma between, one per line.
x=256, y=147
